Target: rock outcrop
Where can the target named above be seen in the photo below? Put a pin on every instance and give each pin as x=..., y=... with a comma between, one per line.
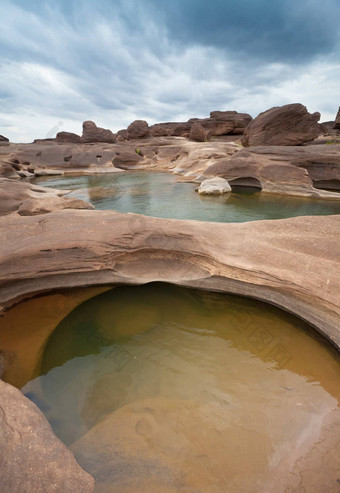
x=138, y=129
x=68, y=137
x=198, y=133
x=32, y=458
x=159, y=130
x=288, y=125
x=337, y=121
x=214, y=186
x=292, y=263
x=224, y=123
x=303, y=171
x=3, y=139
x=126, y=159
x=27, y=199
x=92, y=133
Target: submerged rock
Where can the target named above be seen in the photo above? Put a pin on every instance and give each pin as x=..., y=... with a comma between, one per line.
x=214, y=186
x=32, y=458
x=287, y=125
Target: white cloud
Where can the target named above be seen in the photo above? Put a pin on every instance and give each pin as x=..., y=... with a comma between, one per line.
x=96, y=67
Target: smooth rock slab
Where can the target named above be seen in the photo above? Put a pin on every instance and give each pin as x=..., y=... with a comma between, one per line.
x=291, y=263
x=214, y=186
x=32, y=458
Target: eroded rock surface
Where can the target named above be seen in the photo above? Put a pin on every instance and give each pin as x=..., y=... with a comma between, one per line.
x=288, y=125
x=138, y=129
x=214, y=186
x=68, y=137
x=92, y=133
x=292, y=263
x=32, y=458
x=292, y=170
x=27, y=199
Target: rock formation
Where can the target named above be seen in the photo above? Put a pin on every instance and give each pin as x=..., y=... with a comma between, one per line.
x=224, y=122
x=287, y=125
x=198, y=133
x=126, y=159
x=32, y=458
x=292, y=263
x=3, y=139
x=138, y=129
x=28, y=200
x=214, y=186
x=293, y=170
x=337, y=121
x=159, y=130
x=92, y=133
x=68, y=137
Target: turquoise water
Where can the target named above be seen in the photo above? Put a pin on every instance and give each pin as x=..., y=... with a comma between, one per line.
x=160, y=195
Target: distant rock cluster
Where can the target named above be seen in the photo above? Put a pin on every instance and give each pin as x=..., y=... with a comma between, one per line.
x=287, y=125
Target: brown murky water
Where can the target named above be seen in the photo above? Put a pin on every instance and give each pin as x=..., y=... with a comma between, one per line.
x=161, y=389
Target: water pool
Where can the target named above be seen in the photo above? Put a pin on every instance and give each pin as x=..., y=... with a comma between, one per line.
x=160, y=388
x=160, y=195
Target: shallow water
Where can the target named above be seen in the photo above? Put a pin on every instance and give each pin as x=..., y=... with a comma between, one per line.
x=159, y=195
x=160, y=388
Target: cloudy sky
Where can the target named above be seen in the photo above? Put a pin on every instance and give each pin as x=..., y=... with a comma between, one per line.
x=114, y=61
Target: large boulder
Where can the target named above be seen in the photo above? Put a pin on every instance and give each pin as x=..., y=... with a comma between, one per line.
x=159, y=130
x=337, y=121
x=287, y=125
x=68, y=137
x=92, y=133
x=126, y=159
x=198, y=133
x=138, y=129
x=236, y=122
x=32, y=458
x=214, y=186
x=122, y=135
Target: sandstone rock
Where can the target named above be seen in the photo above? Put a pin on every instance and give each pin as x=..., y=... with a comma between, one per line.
x=68, y=137
x=284, y=169
x=214, y=186
x=287, y=125
x=92, y=133
x=44, y=141
x=159, y=130
x=138, y=129
x=32, y=458
x=28, y=199
x=198, y=133
x=3, y=139
x=135, y=249
x=337, y=121
x=122, y=135
x=239, y=121
x=126, y=159
x=48, y=172
x=7, y=171
x=180, y=129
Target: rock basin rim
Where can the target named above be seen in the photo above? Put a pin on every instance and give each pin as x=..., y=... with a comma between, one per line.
x=105, y=247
